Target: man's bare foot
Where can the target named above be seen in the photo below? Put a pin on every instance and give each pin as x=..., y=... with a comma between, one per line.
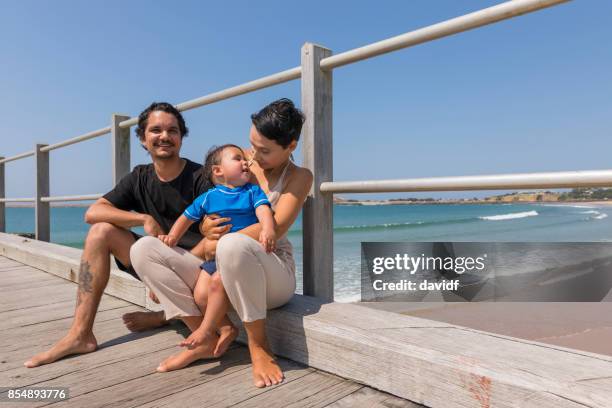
x=70, y=344
x=186, y=357
x=227, y=334
x=141, y=321
x=153, y=297
x=266, y=371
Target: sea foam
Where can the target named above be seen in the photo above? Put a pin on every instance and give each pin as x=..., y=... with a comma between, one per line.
x=510, y=216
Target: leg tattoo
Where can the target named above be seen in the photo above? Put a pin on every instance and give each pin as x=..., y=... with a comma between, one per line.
x=85, y=279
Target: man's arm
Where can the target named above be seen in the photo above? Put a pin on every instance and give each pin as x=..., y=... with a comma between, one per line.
x=104, y=211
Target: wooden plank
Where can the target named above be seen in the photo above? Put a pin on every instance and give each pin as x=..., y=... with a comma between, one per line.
x=48, y=332
x=23, y=316
x=27, y=298
x=368, y=397
x=227, y=388
x=115, y=343
x=64, y=262
x=42, y=220
x=317, y=145
x=146, y=385
x=29, y=284
x=120, y=146
x=2, y=195
x=317, y=389
x=425, y=363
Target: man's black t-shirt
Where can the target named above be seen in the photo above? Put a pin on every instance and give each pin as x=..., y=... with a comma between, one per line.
x=142, y=191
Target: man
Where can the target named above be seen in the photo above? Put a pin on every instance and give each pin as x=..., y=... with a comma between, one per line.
x=152, y=196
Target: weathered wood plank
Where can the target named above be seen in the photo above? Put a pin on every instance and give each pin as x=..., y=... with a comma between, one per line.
x=23, y=316
x=42, y=220
x=39, y=334
x=367, y=397
x=64, y=262
x=115, y=343
x=146, y=385
x=228, y=389
x=426, y=363
x=317, y=149
x=317, y=389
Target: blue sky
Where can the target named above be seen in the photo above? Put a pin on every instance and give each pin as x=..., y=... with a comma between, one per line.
x=524, y=95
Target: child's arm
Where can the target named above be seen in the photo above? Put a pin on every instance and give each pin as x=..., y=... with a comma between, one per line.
x=267, y=237
x=179, y=228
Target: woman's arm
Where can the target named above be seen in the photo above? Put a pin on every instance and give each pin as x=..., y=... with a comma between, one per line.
x=289, y=205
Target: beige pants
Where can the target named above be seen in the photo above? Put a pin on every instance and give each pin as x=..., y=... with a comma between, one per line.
x=253, y=279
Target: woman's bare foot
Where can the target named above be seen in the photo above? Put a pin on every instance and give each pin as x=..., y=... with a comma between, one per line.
x=141, y=321
x=186, y=357
x=266, y=371
x=227, y=334
x=71, y=344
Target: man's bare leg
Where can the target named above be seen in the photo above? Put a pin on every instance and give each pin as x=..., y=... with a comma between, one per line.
x=102, y=240
x=266, y=371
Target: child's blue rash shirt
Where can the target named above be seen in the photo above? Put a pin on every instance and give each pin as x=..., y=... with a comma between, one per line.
x=237, y=203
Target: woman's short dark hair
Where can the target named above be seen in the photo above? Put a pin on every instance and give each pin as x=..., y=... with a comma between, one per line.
x=280, y=121
x=143, y=118
x=213, y=158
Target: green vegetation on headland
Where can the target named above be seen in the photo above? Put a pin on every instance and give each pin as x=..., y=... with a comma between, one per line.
x=577, y=194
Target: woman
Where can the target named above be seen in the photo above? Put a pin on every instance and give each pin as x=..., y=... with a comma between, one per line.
x=252, y=280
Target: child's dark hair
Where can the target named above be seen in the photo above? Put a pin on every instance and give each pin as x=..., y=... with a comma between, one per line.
x=280, y=121
x=213, y=158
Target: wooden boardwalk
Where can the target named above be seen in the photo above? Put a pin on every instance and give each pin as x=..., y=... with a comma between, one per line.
x=36, y=309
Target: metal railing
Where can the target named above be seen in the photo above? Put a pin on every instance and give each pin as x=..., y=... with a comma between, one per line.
x=315, y=71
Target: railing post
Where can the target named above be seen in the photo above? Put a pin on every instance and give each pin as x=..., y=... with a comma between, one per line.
x=2, y=195
x=42, y=214
x=120, y=145
x=318, y=236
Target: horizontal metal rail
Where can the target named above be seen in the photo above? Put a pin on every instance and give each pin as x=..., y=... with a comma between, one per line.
x=456, y=25
x=17, y=157
x=17, y=200
x=265, y=82
x=71, y=198
x=565, y=179
x=86, y=136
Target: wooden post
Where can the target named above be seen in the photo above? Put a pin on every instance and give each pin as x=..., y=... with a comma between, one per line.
x=2, y=195
x=120, y=144
x=42, y=217
x=318, y=234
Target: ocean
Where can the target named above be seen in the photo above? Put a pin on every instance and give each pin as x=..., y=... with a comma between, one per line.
x=413, y=223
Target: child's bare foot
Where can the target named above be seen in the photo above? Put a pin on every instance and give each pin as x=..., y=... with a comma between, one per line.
x=186, y=357
x=227, y=334
x=266, y=371
x=199, y=337
x=141, y=321
x=70, y=344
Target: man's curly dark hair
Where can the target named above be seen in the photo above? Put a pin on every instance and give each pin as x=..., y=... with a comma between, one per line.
x=143, y=118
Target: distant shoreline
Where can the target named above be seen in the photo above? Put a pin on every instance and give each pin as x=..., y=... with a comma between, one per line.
x=458, y=202
x=379, y=203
